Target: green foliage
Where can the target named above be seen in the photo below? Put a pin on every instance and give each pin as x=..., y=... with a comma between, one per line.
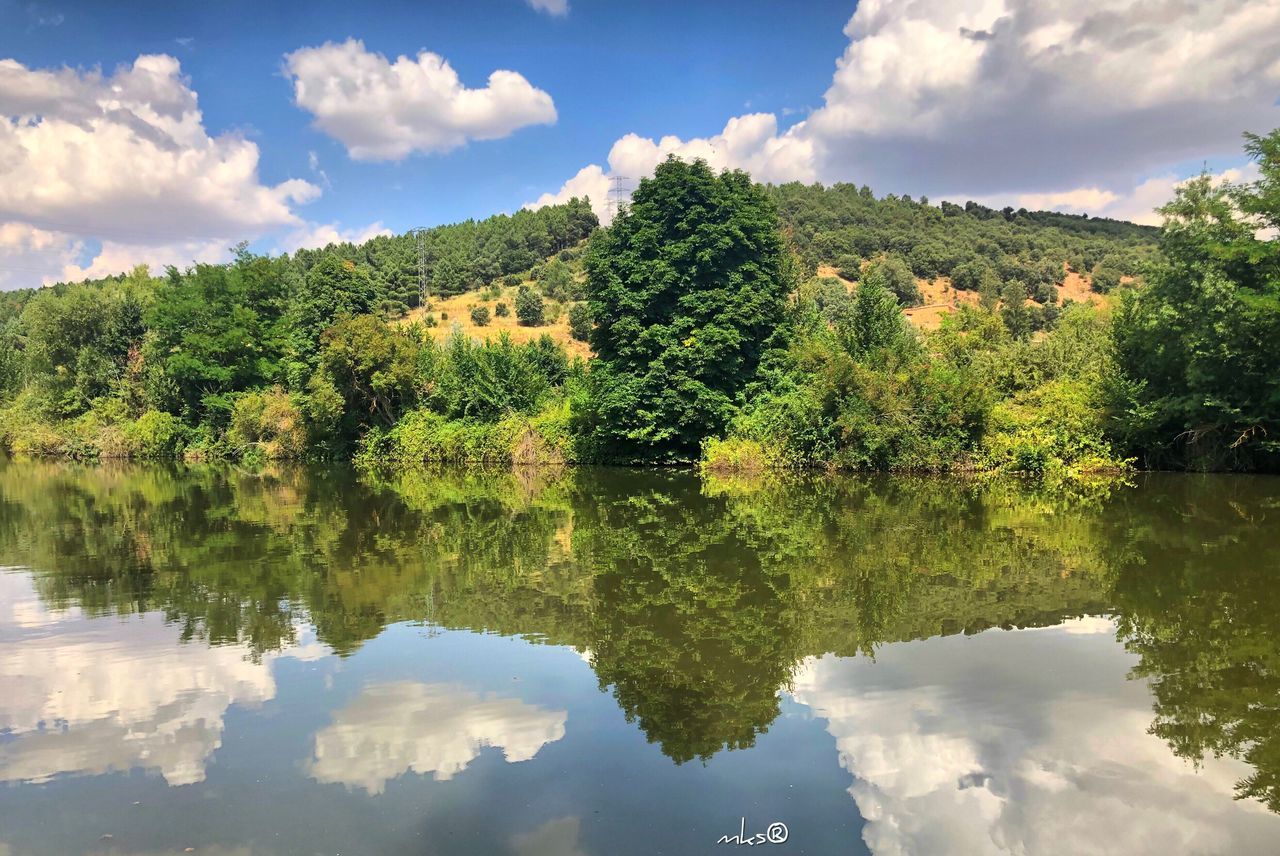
x=873, y=322
x=480, y=315
x=78, y=342
x=501, y=309
x=334, y=288
x=1014, y=311
x=486, y=381
x=529, y=307
x=892, y=273
x=213, y=331
x=580, y=322
x=268, y=424
x=1200, y=371
x=970, y=244
x=374, y=368
x=156, y=434
x=686, y=289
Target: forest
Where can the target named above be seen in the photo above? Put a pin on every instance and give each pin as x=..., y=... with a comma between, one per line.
x=738, y=325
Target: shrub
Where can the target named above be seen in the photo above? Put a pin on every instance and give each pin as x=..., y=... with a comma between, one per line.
x=529, y=307
x=267, y=423
x=480, y=315
x=895, y=275
x=580, y=321
x=501, y=310
x=155, y=434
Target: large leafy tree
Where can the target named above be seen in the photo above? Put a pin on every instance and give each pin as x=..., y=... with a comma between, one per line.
x=687, y=288
x=333, y=288
x=214, y=331
x=1200, y=380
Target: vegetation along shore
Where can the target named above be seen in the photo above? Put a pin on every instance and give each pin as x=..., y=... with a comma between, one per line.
x=715, y=320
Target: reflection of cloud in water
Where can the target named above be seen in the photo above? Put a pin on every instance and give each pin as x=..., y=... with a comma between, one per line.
x=1020, y=743
x=425, y=728
x=557, y=837
x=89, y=696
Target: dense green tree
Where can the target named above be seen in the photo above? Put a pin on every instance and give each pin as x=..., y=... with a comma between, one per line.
x=686, y=289
x=1200, y=381
x=78, y=342
x=895, y=275
x=480, y=315
x=1014, y=310
x=334, y=287
x=373, y=367
x=580, y=322
x=214, y=331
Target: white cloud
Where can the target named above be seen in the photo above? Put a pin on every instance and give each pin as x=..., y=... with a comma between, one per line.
x=1060, y=102
x=404, y=726
x=750, y=142
x=383, y=110
x=981, y=96
x=317, y=235
x=955, y=746
x=558, y=8
x=125, y=159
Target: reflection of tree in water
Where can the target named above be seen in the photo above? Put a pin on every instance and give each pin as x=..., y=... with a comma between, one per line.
x=692, y=631
x=696, y=599
x=1203, y=614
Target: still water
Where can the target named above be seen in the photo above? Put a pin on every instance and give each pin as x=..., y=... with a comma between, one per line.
x=616, y=662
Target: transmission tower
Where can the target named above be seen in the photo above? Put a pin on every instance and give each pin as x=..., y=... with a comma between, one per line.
x=420, y=236
x=617, y=196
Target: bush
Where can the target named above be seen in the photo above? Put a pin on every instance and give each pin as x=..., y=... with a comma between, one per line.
x=1104, y=278
x=580, y=321
x=1054, y=430
x=501, y=310
x=529, y=307
x=480, y=316
x=155, y=434
x=267, y=423
x=422, y=436
x=849, y=266
x=895, y=275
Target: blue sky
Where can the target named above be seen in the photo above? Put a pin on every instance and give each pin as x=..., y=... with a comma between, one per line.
x=1042, y=104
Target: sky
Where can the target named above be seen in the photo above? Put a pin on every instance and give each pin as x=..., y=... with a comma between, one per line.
x=165, y=133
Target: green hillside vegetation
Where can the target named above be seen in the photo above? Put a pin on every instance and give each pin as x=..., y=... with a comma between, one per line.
x=712, y=336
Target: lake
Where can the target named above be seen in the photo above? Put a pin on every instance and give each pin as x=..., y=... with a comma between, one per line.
x=604, y=661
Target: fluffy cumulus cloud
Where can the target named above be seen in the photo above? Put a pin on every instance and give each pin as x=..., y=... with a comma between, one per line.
x=1069, y=105
x=750, y=142
x=384, y=110
x=317, y=235
x=955, y=746
x=125, y=160
x=942, y=96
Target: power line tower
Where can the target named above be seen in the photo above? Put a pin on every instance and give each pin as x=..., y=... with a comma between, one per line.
x=420, y=237
x=618, y=195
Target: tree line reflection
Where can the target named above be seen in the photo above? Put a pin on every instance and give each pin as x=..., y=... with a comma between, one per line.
x=697, y=600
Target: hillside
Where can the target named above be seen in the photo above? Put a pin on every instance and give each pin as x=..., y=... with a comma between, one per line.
x=450, y=314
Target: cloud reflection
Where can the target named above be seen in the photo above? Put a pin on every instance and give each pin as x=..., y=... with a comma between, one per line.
x=404, y=726
x=88, y=696
x=957, y=747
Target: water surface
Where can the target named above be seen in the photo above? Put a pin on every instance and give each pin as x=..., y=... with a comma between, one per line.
x=608, y=661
